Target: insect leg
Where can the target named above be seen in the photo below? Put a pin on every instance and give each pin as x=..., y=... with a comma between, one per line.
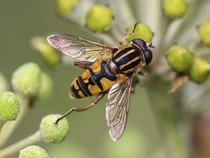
x=83, y=64
x=130, y=34
x=77, y=109
x=141, y=73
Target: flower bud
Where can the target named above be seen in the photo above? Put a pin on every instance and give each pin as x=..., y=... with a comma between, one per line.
x=204, y=32
x=98, y=18
x=174, y=8
x=52, y=132
x=3, y=83
x=199, y=70
x=50, y=55
x=142, y=31
x=179, y=58
x=33, y=151
x=9, y=106
x=26, y=79
x=46, y=87
x=65, y=7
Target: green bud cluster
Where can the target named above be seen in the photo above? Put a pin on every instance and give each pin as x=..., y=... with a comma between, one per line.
x=174, y=8
x=27, y=79
x=3, y=83
x=204, y=32
x=50, y=55
x=142, y=31
x=9, y=106
x=65, y=7
x=33, y=152
x=181, y=60
x=199, y=70
x=98, y=18
x=46, y=87
x=52, y=132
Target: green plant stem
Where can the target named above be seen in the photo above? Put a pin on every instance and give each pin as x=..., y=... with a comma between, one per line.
x=36, y=137
x=163, y=114
x=164, y=31
x=10, y=126
x=122, y=12
x=2, y=124
x=125, y=12
x=161, y=49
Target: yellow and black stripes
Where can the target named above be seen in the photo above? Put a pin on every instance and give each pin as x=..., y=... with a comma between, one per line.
x=127, y=60
x=104, y=73
x=93, y=82
x=80, y=89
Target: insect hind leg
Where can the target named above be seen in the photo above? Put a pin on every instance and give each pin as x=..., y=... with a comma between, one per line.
x=79, y=109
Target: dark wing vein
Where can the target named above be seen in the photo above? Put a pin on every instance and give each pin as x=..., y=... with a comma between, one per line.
x=117, y=108
x=78, y=48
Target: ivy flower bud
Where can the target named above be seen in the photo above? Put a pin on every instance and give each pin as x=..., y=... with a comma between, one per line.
x=26, y=79
x=98, y=18
x=46, y=87
x=9, y=106
x=179, y=58
x=50, y=55
x=174, y=8
x=199, y=70
x=33, y=151
x=3, y=83
x=204, y=32
x=65, y=7
x=51, y=132
x=142, y=31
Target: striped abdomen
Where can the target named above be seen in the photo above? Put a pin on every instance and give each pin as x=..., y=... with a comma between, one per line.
x=96, y=79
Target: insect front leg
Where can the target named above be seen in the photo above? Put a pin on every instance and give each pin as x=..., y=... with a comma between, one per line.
x=130, y=34
x=141, y=73
x=79, y=109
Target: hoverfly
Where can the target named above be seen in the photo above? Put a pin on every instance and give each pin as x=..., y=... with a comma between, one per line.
x=107, y=70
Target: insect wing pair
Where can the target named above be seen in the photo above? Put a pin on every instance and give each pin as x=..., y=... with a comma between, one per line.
x=80, y=49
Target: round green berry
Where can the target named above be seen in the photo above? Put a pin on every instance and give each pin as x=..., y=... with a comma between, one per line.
x=9, y=106
x=142, y=31
x=26, y=79
x=33, y=151
x=174, y=8
x=204, y=32
x=3, y=83
x=52, y=132
x=98, y=18
x=179, y=58
x=64, y=7
x=50, y=55
x=46, y=87
x=199, y=70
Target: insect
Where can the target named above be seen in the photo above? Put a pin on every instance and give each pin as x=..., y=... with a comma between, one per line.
x=107, y=70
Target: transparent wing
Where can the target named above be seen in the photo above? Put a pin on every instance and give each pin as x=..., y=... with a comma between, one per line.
x=78, y=48
x=117, y=108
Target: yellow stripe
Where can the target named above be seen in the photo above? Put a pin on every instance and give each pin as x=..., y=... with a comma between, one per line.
x=133, y=60
x=127, y=53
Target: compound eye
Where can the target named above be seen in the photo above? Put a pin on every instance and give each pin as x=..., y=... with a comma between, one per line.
x=140, y=43
x=148, y=56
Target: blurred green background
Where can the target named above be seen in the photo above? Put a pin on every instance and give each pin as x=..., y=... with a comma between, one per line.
x=88, y=137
